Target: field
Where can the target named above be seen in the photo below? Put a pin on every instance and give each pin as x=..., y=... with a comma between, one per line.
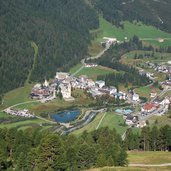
x=111, y=120
x=137, y=157
x=95, y=71
x=23, y=124
x=18, y=95
x=130, y=29
x=158, y=157
x=143, y=91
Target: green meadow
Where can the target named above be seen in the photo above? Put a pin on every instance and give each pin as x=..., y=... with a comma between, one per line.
x=131, y=29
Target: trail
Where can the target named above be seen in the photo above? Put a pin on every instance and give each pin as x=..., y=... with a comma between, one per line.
x=150, y=165
x=101, y=120
x=35, y=47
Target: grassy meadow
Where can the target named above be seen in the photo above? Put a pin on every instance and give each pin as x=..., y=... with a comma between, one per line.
x=111, y=120
x=131, y=29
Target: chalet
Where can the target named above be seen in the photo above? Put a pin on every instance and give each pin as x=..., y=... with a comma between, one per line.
x=65, y=90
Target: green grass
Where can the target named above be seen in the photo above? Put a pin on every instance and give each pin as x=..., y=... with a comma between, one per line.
x=143, y=91
x=75, y=68
x=23, y=123
x=18, y=95
x=130, y=29
x=150, y=157
x=133, y=169
x=111, y=120
x=95, y=71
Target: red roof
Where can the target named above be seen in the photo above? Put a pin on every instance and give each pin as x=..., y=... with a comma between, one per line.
x=149, y=106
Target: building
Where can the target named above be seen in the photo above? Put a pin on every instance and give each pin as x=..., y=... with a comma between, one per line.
x=100, y=83
x=65, y=90
x=135, y=97
x=149, y=107
x=61, y=75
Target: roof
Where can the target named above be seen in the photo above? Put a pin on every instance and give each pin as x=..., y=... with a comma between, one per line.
x=149, y=106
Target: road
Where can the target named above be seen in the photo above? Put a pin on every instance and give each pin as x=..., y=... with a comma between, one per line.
x=93, y=57
x=38, y=117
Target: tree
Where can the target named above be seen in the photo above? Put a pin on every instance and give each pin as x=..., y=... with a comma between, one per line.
x=101, y=160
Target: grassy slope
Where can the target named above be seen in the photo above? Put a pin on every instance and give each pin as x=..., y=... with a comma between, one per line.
x=158, y=157
x=143, y=158
x=143, y=31
x=111, y=120
x=18, y=95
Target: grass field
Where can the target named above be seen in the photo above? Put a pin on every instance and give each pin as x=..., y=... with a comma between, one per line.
x=137, y=157
x=132, y=169
x=111, y=120
x=18, y=95
x=158, y=157
x=143, y=91
x=75, y=68
x=130, y=29
x=95, y=71
x=26, y=123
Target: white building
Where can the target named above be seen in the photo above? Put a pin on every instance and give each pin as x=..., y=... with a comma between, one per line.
x=100, y=83
x=113, y=90
x=46, y=83
x=135, y=97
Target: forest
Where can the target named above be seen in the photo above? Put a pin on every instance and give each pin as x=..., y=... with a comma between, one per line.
x=35, y=150
x=150, y=12
x=150, y=139
x=59, y=29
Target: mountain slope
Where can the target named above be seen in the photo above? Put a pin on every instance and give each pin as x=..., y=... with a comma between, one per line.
x=151, y=12
x=60, y=29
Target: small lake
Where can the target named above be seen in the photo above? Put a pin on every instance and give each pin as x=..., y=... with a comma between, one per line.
x=66, y=116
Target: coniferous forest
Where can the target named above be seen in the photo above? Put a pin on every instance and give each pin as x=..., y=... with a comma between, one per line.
x=60, y=30
x=35, y=150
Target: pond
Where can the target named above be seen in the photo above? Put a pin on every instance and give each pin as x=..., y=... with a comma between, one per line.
x=66, y=116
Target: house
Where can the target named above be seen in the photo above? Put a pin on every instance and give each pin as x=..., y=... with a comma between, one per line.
x=61, y=75
x=100, y=83
x=112, y=90
x=90, y=83
x=153, y=94
x=89, y=65
x=83, y=78
x=135, y=97
x=149, y=107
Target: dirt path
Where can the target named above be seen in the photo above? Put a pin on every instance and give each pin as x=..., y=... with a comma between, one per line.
x=150, y=165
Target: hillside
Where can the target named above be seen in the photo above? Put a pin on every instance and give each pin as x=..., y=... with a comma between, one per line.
x=150, y=12
x=58, y=28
